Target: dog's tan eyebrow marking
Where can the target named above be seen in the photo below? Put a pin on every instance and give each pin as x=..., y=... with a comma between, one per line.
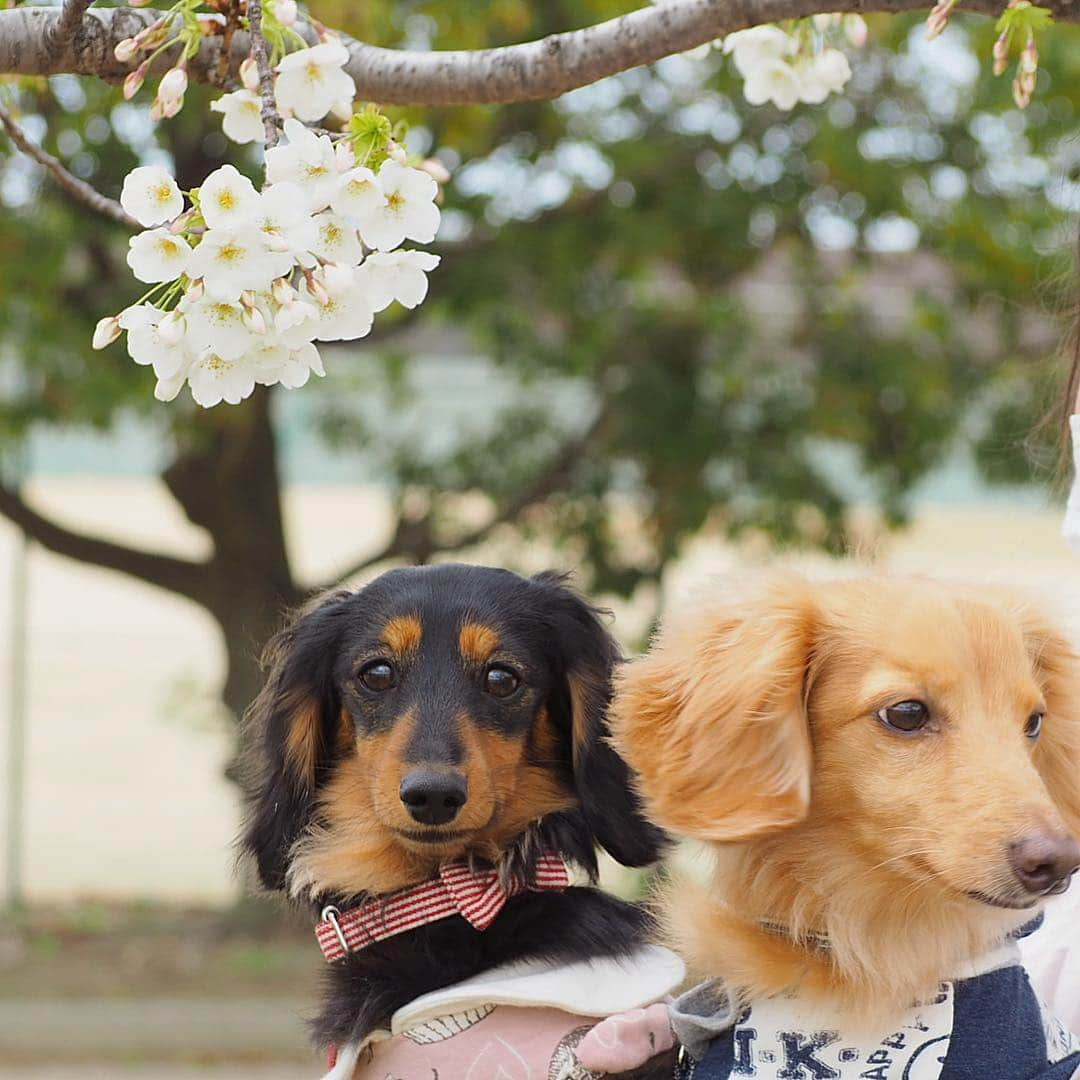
x=477, y=642
x=403, y=634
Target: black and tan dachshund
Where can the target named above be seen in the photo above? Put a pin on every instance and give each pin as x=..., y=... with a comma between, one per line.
x=441, y=713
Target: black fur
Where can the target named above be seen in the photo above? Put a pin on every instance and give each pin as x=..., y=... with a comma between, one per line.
x=364, y=989
x=570, y=658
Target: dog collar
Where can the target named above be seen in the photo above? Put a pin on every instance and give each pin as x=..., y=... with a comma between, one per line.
x=476, y=895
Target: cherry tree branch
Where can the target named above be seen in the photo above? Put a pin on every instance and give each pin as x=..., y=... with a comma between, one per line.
x=70, y=22
x=270, y=118
x=182, y=576
x=531, y=71
x=77, y=189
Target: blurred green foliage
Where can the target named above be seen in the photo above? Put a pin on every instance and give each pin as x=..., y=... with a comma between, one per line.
x=729, y=300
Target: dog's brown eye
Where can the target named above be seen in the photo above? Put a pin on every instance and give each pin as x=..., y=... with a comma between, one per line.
x=1034, y=725
x=379, y=675
x=905, y=716
x=500, y=681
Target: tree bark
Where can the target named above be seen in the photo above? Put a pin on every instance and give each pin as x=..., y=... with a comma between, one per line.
x=229, y=485
x=535, y=70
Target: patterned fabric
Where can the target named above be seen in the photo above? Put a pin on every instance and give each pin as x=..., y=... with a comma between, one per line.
x=988, y=1026
x=477, y=895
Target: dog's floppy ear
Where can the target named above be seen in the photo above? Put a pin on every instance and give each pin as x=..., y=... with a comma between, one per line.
x=294, y=728
x=713, y=718
x=1057, y=668
x=588, y=655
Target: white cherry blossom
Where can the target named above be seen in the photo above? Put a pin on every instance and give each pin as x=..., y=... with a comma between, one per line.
x=220, y=327
x=241, y=116
x=826, y=73
x=308, y=160
x=151, y=196
x=227, y=198
x=345, y=308
x=311, y=82
x=145, y=344
x=230, y=261
x=396, y=275
x=407, y=210
x=358, y=195
x=756, y=46
x=336, y=240
x=214, y=379
x=284, y=218
x=775, y=81
x=158, y=255
x=167, y=389
x=106, y=332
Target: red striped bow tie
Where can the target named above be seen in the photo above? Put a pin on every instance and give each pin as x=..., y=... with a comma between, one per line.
x=476, y=895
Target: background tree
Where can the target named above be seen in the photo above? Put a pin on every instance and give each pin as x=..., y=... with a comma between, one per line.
x=693, y=309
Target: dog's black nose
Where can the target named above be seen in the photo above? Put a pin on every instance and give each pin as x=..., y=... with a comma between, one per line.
x=1043, y=862
x=434, y=797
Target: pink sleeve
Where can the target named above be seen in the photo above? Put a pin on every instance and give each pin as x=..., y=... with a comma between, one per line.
x=626, y=1040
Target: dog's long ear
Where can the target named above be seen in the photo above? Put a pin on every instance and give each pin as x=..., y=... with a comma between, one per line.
x=713, y=718
x=588, y=656
x=294, y=728
x=1057, y=755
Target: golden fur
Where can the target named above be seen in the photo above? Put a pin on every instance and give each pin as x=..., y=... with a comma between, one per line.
x=752, y=726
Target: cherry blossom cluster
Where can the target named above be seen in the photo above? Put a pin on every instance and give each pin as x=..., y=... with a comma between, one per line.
x=786, y=68
x=245, y=282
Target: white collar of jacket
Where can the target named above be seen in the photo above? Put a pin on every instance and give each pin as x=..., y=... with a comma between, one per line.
x=599, y=987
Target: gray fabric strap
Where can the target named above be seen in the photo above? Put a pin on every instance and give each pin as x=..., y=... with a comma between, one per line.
x=701, y=1014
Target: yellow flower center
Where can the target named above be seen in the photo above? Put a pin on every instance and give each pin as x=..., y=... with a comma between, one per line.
x=222, y=313
x=331, y=234
x=216, y=364
x=230, y=253
x=168, y=247
x=226, y=199
x=312, y=72
x=395, y=200
x=162, y=193
x=313, y=171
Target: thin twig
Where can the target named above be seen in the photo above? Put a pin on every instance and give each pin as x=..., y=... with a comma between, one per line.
x=270, y=118
x=77, y=189
x=71, y=20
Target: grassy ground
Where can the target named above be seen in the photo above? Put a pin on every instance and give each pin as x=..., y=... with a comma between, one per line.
x=140, y=991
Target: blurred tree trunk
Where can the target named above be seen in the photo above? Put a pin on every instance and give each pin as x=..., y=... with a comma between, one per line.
x=227, y=481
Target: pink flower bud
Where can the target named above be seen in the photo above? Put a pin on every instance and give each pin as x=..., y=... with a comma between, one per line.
x=855, y=30
x=1029, y=58
x=286, y=12
x=134, y=81
x=126, y=50
x=254, y=321
x=174, y=82
x=157, y=110
x=139, y=3
x=106, y=332
x=1001, y=53
x=344, y=155
x=195, y=290
x=396, y=152
x=282, y=291
x=436, y=170
x=172, y=328
x=315, y=287
x=249, y=73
